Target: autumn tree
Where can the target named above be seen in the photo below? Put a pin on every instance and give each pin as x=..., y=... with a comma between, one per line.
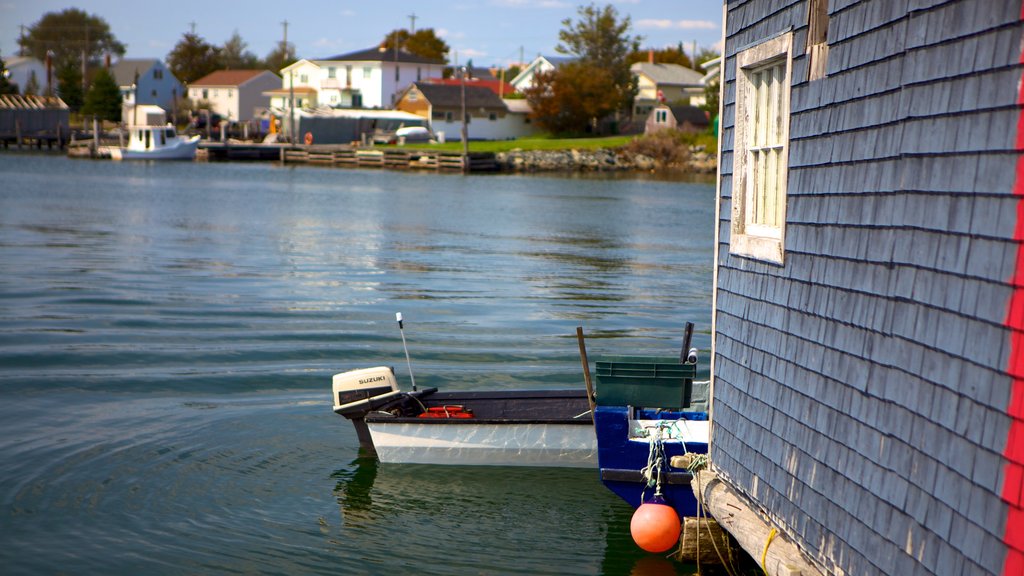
x=576, y=97
x=192, y=58
x=235, y=56
x=67, y=34
x=104, y=97
x=423, y=42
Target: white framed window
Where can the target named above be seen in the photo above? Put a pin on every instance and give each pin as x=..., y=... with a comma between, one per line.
x=761, y=151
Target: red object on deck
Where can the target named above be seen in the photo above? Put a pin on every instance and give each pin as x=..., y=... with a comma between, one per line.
x=452, y=411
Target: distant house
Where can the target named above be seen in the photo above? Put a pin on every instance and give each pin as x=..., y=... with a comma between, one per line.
x=23, y=69
x=680, y=117
x=236, y=95
x=712, y=68
x=502, y=89
x=370, y=78
x=663, y=83
x=488, y=116
x=146, y=81
x=868, y=309
x=540, y=64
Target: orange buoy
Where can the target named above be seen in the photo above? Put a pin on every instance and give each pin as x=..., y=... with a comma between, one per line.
x=309, y=138
x=655, y=527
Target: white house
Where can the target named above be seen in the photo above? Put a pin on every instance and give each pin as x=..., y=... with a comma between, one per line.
x=489, y=117
x=712, y=68
x=237, y=95
x=21, y=69
x=146, y=81
x=663, y=83
x=371, y=78
x=540, y=64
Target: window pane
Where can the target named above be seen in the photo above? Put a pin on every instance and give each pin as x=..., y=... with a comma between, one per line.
x=779, y=74
x=771, y=187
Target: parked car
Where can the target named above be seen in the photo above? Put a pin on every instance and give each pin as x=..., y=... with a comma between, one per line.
x=413, y=134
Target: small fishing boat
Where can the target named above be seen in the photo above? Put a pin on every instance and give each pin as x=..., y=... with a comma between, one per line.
x=546, y=427
x=643, y=419
x=156, y=143
x=493, y=427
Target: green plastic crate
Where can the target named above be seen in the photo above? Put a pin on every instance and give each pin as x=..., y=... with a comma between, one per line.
x=644, y=381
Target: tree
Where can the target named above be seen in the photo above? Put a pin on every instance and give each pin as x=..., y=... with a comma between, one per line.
x=576, y=97
x=6, y=87
x=572, y=99
x=280, y=57
x=104, y=97
x=424, y=42
x=69, y=85
x=192, y=58
x=32, y=86
x=670, y=55
x=233, y=55
x=599, y=39
x=66, y=34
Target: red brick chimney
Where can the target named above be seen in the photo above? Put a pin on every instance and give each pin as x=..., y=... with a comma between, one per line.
x=650, y=55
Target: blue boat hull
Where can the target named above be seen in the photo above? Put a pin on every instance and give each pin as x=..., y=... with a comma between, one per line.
x=621, y=459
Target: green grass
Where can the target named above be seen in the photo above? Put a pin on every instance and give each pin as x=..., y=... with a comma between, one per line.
x=537, y=143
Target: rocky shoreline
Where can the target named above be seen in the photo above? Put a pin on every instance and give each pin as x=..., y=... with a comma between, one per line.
x=698, y=160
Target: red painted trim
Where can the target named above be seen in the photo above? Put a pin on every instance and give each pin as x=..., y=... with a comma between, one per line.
x=1013, y=477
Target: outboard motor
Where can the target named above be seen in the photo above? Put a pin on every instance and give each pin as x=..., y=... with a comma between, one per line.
x=358, y=392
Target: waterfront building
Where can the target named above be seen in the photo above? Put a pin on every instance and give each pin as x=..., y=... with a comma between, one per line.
x=371, y=78
x=868, y=358
x=146, y=81
x=236, y=95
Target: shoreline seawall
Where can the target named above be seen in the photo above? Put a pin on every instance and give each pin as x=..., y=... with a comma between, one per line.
x=697, y=160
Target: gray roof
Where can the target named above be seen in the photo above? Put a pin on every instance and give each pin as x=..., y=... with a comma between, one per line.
x=450, y=95
x=668, y=73
x=128, y=69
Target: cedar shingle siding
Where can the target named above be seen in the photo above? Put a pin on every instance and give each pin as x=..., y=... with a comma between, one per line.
x=861, y=389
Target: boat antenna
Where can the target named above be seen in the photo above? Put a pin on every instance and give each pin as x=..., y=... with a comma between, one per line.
x=398, y=316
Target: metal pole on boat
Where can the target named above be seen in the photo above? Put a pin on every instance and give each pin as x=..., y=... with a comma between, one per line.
x=398, y=316
x=586, y=372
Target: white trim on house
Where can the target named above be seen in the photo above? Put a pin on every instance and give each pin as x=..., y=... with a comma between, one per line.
x=763, y=81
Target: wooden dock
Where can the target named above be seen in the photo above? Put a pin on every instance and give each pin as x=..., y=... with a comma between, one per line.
x=390, y=158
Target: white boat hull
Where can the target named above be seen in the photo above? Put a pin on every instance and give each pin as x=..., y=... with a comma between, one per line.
x=486, y=444
x=181, y=150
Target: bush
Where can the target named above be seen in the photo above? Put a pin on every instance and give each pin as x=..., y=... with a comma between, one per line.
x=666, y=147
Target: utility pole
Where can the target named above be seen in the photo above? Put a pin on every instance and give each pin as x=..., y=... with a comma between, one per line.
x=192, y=26
x=465, y=130
x=284, y=44
x=412, y=23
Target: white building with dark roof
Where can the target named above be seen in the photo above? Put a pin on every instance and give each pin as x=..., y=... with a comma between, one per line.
x=540, y=64
x=371, y=78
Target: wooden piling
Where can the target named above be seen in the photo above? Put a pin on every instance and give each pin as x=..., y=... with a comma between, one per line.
x=755, y=535
x=705, y=542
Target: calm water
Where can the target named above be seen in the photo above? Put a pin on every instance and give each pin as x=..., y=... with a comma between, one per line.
x=168, y=333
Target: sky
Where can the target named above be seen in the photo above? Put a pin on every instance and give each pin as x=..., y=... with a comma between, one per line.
x=490, y=32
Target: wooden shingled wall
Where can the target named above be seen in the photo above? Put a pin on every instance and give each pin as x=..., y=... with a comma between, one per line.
x=862, y=389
